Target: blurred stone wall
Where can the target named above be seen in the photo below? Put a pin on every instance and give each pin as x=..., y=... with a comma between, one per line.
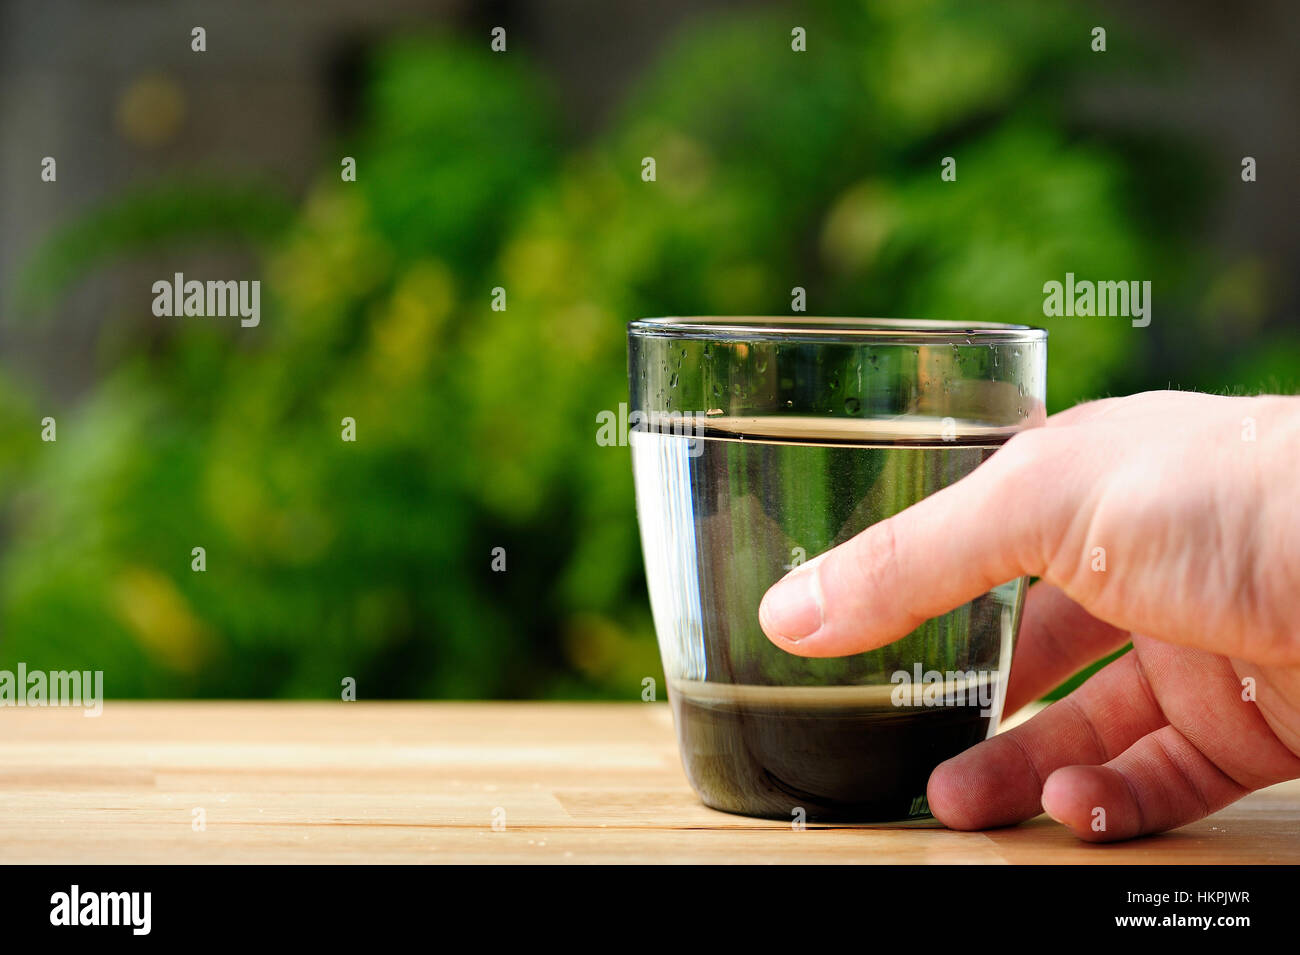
x=114, y=92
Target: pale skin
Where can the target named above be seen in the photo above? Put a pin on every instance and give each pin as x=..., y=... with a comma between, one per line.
x=1199, y=530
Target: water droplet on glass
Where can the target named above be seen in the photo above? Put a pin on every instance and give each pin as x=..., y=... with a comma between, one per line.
x=852, y=405
x=672, y=382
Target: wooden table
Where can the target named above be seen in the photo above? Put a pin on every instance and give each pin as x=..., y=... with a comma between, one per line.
x=423, y=782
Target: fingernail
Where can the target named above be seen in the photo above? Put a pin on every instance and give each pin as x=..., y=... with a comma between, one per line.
x=792, y=609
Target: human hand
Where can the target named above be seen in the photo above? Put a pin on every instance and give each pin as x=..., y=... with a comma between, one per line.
x=1195, y=501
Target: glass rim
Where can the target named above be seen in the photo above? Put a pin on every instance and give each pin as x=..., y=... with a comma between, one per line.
x=834, y=329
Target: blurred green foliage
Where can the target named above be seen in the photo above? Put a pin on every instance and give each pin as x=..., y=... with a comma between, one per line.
x=475, y=428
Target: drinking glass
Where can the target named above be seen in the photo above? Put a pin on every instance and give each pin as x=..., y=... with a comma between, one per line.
x=757, y=444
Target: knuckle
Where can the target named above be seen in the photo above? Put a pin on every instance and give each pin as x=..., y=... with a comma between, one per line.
x=1026, y=451
x=873, y=562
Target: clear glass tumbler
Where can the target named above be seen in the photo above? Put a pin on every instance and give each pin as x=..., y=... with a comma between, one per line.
x=758, y=443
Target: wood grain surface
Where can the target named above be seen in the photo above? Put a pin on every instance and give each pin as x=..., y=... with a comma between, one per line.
x=421, y=782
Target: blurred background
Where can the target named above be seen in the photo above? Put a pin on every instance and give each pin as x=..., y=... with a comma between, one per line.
x=476, y=428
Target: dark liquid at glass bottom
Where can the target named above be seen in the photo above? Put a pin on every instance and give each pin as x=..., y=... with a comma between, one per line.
x=838, y=763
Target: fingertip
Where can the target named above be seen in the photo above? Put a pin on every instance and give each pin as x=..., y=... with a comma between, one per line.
x=969, y=791
x=793, y=607
x=950, y=797
x=1091, y=801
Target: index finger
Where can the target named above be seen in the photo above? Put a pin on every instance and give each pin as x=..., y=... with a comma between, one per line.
x=990, y=527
